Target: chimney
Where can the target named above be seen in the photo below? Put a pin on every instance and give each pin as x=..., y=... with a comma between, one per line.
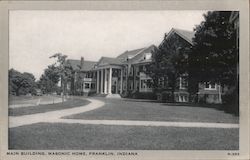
x=82, y=62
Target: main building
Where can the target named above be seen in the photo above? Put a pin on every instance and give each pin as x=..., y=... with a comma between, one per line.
x=125, y=74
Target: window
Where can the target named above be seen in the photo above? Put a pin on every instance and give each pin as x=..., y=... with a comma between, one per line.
x=145, y=83
x=92, y=85
x=213, y=85
x=86, y=85
x=148, y=56
x=161, y=81
x=165, y=82
x=140, y=68
x=131, y=71
x=148, y=83
x=183, y=83
x=210, y=86
x=137, y=71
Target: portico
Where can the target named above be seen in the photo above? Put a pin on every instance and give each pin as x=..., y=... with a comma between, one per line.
x=109, y=79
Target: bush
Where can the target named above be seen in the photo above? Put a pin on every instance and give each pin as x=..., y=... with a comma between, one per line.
x=167, y=96
x=143, y=95
x=231, y=102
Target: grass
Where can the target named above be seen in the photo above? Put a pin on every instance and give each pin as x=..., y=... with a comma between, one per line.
x=76, y=102
x=21, y=99
x=46, y=136
x=124, y=109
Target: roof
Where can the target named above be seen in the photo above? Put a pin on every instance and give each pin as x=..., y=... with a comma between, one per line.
x=186, y=35
x=108, y=60
x=123, y=57
x=75, y=64
x=139, y=58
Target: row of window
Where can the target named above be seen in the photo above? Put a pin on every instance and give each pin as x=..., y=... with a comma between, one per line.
x=89, y=85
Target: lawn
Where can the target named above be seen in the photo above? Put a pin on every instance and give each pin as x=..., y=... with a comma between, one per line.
x=21, y=99
x=125, y=109
x=70, y=103
x=102, y=137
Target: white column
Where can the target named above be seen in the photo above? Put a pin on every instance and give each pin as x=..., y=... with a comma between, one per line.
x=105, y=82
x=121, y=81
x=102, y=81
x=110, y=80
x=180, y=83
x=97, y=82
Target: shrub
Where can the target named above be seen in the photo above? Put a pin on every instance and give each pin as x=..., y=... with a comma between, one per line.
x=143, y=95
x=231, y=102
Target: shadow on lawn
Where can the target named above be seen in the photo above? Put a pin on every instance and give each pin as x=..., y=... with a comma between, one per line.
x=227, y=108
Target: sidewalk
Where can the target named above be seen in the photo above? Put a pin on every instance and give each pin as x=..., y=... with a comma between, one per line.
x=57, y=117
x=52, y=116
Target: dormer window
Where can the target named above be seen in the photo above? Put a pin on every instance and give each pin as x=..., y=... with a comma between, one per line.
x=147, y=56
x=129, y=57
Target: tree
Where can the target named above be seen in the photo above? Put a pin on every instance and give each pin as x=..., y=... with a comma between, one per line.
x=21, y=82
x=49, y=79
x=214, y=55
x=169, y=62
x=65, y=71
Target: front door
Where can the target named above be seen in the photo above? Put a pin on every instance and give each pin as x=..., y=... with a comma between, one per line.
x=114, y=85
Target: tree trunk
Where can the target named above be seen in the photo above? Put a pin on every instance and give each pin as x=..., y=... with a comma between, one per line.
x=17, y=91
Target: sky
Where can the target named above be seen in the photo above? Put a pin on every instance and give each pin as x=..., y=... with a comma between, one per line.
x=36, y=35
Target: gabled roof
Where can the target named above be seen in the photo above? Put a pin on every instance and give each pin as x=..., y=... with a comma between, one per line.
x=186, y=35
x=139, y=58
x=76, y=64
x=123, y=57
x=108, y=60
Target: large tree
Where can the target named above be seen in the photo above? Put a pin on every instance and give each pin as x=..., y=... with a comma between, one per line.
x=49, y=79
x=65, y=71
x=214, y=55
x=169, y=63
x=21, y=83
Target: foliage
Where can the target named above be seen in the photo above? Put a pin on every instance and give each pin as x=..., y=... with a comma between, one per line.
x=231, y=102
x=21, y=83
x=49, y=79
x=169, y=61
x=143, y=95
x=64, y=70
x=214, y=56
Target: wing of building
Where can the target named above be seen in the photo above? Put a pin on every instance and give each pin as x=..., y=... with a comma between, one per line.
x=125, y=74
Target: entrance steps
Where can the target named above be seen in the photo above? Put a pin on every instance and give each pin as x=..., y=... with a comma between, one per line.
x=113, y=96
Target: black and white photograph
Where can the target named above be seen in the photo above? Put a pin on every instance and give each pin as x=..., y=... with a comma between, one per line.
x=97, y=81
x=124, y=80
